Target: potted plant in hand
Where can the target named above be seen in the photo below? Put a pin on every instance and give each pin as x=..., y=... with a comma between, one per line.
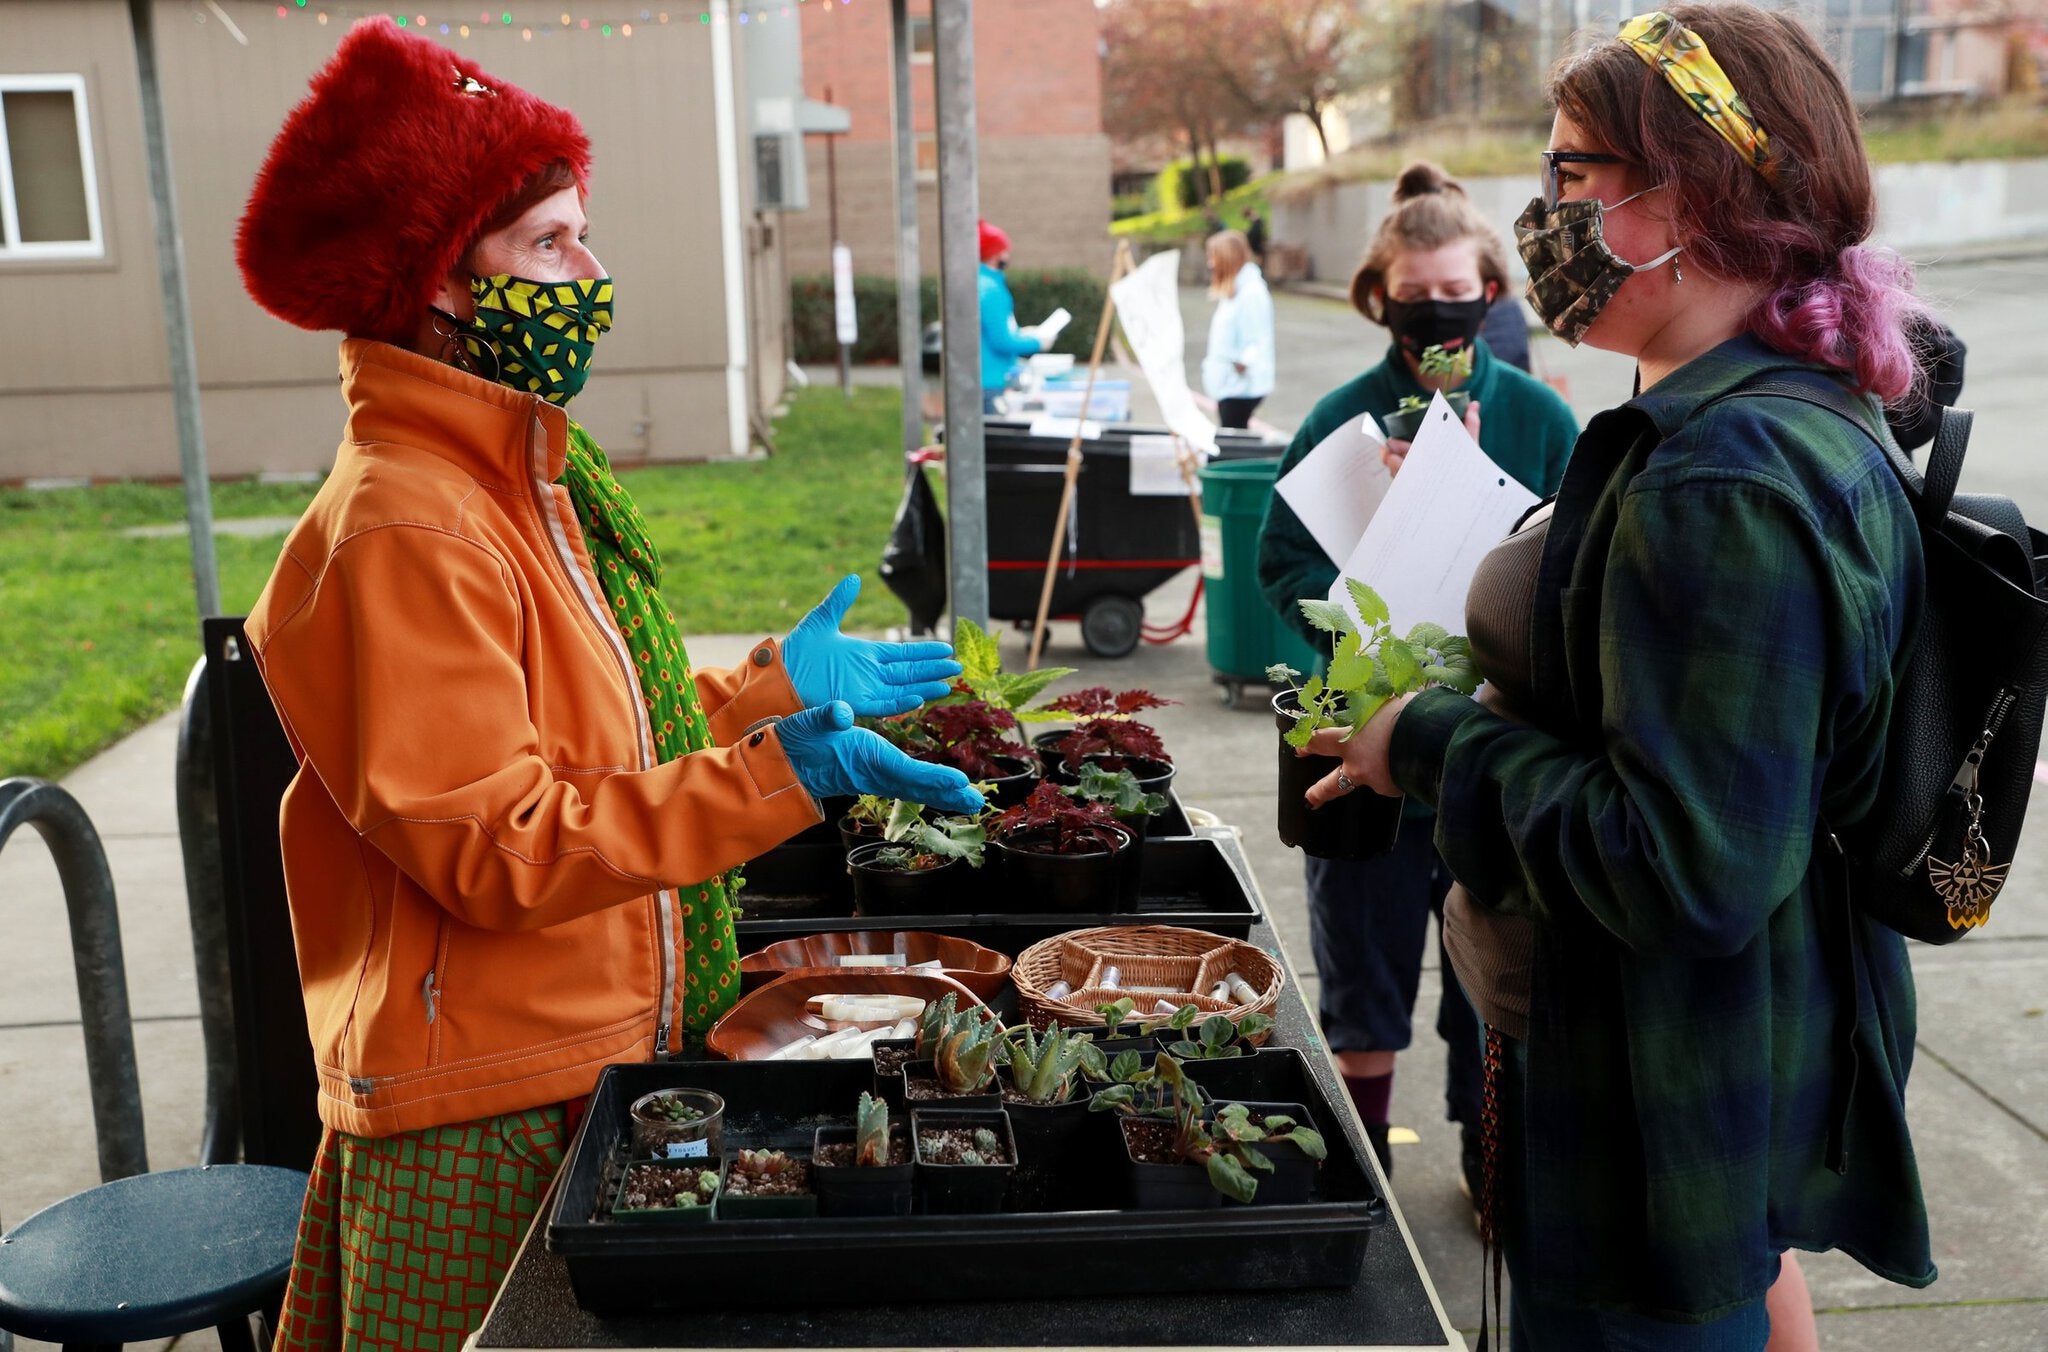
x=864, y=1169
x=1406, y=419
x=1108, y=733
x=1059, y=854
x=914, y=868
x=1368, y=667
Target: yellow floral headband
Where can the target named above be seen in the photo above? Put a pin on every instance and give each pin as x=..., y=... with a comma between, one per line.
x=1681, y=57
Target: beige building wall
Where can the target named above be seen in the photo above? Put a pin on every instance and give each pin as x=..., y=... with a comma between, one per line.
x=88, y=395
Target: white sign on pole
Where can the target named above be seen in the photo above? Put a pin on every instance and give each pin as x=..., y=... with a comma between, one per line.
x=842, y=296
x=1148, y=306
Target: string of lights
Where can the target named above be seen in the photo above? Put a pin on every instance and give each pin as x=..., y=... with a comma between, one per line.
x=532, y=23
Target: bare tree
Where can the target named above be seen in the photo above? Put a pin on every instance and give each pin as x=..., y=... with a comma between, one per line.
x=1159, y=78
x=1291, y=56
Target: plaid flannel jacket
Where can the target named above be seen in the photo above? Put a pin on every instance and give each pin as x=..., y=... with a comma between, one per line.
x=1716, y=640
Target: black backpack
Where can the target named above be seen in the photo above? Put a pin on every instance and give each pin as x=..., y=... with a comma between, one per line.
x=1932, y=854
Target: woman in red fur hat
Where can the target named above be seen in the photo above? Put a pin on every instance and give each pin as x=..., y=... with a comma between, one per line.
x=510, y=842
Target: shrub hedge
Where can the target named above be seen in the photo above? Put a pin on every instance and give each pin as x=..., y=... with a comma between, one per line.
x=1039, y=291
x=1181, y=186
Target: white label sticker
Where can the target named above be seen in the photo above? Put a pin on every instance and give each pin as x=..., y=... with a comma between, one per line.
x=686, y=1150
x=1212, y=547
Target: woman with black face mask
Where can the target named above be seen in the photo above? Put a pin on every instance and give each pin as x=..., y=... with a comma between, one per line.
x=1434, y=269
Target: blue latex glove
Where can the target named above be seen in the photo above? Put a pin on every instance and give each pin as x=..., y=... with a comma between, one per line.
x=877, y=679
x=832, y=757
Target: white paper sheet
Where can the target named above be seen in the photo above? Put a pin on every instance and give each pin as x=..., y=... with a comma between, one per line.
x=1449, y=505
x=1155, y=468
x=1148, y=307
x=1048, y=328
x=1336, y=488
x=1049, y=426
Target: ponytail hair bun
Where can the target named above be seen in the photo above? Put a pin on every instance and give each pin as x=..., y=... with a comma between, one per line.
x=1422, y=178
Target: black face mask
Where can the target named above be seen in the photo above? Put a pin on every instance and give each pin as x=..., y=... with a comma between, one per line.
x=1419, y=325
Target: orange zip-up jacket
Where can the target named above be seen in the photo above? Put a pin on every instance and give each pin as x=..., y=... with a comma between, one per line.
x=481, y=851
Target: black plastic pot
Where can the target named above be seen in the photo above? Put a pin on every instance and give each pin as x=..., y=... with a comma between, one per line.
x=1055, y=1169
x=1359, y=825
x=884, y=891
x=853, y=837
x=889, y=1087
x=924, y=1070
x=1016, y=785
x=1402, y=425
x=1164, y=1187
x=1131, y=864
x=665, y=1215
x=962, y=1189
x=1294, y=1173
x=851, y=1190
x=1047, y=744
x=731, y=1208
x=1065, y=883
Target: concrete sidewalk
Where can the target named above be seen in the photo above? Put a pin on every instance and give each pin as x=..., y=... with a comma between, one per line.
x=1979, y=1094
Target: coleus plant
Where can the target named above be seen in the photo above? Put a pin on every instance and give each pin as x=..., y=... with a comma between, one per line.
x=1106, y=725
x=968, y=736
x=1069, y=826
x=1370, y=666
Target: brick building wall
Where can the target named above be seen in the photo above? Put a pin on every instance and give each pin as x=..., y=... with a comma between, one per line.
x=1038, y=107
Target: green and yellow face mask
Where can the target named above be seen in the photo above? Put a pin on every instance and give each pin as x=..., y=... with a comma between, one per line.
x=542, y=332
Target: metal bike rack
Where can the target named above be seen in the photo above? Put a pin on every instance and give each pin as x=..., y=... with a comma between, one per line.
x=96, y=955
x=205, y=901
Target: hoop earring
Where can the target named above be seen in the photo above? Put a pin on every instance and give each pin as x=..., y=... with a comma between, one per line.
x=462, y=346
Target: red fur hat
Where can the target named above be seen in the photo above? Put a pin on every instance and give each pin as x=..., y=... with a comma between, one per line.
x=384, y=176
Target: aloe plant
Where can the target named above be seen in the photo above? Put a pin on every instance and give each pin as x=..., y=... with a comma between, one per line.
x=932, y=1024
x=1042, y=1068
x=965, y=1058
x=871, y=1131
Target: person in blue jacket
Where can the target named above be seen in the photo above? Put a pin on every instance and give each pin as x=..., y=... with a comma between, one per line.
x=1237, y=372
x=1003, y=344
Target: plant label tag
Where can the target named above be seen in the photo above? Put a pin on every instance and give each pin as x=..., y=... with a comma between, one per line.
x=686, y=1150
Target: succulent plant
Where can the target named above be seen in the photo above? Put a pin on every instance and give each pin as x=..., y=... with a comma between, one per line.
x=1042, y=1068
x=985, y=1141
x=937, y=1015
x=674, y=1110
x=964, y=1060
x=871, y=1131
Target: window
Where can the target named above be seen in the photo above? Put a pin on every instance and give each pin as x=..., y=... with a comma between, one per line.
x=49, y=194
x=920, y=41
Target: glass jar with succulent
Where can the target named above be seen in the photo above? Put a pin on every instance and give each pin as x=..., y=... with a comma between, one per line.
x=1369, y=666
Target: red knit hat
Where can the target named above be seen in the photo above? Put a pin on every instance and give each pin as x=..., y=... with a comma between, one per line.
x=993, y=241
x=384, y=176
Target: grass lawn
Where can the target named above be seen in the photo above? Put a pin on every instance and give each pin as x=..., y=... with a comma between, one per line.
x=98, y=631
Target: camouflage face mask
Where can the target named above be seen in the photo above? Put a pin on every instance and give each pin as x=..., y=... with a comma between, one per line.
x=1572, y=271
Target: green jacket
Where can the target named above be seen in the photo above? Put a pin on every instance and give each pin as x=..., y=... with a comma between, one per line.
x=1523, y=425
x=1719, y=626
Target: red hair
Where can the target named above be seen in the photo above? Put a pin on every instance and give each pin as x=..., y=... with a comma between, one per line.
x=1827, y=297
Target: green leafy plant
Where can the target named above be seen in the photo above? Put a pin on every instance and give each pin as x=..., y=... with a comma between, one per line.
x=919, y=845
x=961, y=1044
x=875, y=815
x=1216, y=1038
x=1118, y=790
x=982, y=677
x=1099, y=1066
x=1042, y=1068
x=871, y=1131
x=1227, y=1146
x=937, y=1017
x=1370, y=666
x=1435, y=361
x=674, y=1110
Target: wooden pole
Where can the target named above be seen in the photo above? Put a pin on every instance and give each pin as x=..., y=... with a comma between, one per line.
x=1118, y=266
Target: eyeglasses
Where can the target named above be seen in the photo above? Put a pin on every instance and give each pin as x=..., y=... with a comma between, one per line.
x=1553, y=158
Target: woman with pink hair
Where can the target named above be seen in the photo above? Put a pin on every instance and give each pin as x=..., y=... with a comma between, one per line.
x=1697, y=1049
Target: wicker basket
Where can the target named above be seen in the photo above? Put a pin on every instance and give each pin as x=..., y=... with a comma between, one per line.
x=1156, y=956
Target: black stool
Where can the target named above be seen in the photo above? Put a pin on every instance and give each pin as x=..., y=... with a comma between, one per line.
x=154, y=1256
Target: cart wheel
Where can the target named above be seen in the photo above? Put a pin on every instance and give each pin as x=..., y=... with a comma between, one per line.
x=1111, y=624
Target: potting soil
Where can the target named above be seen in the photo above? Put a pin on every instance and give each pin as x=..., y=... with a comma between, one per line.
x=793, y=1181
x=647, y=1186
x=947, y=1144
x=839, y=1154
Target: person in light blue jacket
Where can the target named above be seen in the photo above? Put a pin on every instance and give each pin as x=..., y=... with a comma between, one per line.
x=1238, y=369
x=1003, y=344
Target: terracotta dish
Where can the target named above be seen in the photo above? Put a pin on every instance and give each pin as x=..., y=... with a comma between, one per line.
x=981, y=970
x=777, y=1014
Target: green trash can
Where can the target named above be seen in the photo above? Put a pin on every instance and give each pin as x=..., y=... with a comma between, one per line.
x=1245, y=634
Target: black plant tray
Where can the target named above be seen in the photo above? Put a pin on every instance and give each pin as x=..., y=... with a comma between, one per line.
x=860, y=1261
x=1191, y=881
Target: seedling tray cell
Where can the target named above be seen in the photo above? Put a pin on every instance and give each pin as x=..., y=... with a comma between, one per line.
x=856, y=1261
x=1191, y=881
